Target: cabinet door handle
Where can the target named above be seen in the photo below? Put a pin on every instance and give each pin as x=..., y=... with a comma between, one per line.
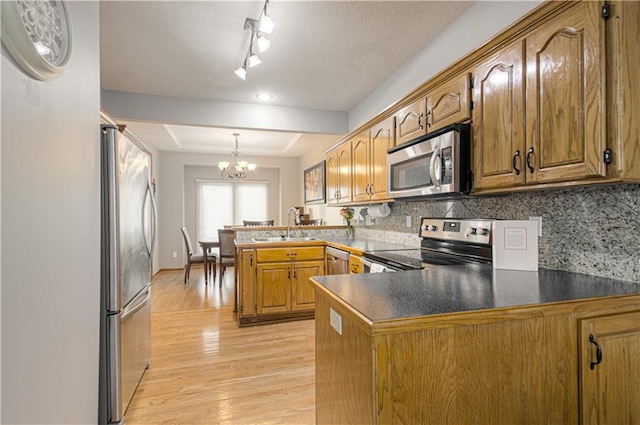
x=531, y=169
x=514, y=162
x=420, y=120
x=592, y=340
x=428, y=118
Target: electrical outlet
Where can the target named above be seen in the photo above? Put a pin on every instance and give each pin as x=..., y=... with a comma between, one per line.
x=408, y=221
x=175, y=254
x=539, y=220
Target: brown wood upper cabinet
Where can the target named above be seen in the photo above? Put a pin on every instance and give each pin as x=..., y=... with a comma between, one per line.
x=446, y=104
x=369, y=156
x=498, y=119
x=449, y=103
x=339, y=174
x=410, y=121
x=558, y=68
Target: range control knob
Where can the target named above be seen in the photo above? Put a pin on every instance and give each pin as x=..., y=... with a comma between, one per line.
x=483, y=231
x=471, y=231
x=434, y=228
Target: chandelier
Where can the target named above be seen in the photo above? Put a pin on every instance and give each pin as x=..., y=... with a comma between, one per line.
x=239, y=169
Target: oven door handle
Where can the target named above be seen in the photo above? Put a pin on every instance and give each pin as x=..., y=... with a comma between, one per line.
x=435, y=168
x=368, y=264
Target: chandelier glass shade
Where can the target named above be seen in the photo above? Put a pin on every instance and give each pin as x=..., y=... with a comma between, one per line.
x=236, y=169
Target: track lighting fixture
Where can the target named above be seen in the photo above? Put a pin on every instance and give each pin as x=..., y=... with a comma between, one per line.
x=259, y=27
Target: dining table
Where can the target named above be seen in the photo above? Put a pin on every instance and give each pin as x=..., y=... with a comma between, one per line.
x=206, y=245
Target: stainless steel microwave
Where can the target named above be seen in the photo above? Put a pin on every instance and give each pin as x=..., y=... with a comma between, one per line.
x=437, y=164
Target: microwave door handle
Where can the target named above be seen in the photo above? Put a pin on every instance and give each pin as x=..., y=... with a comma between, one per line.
x=435, y=174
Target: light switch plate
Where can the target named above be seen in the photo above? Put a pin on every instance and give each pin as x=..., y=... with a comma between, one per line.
x=336, y=320
x=408, y=221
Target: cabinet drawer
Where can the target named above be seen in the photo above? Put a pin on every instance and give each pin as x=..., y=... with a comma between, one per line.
x=290, y=254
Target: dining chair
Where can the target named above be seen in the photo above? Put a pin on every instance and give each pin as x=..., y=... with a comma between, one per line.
x=311, y=222
x=257, y=222
x=191, y=258
x=227, y=250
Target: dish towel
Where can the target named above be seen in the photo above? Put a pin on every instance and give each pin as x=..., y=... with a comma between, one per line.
x=377, y=268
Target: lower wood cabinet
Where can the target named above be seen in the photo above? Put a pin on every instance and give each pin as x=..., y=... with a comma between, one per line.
x=284, y=287
x=610, y=369
x=518, y=366
x=273, y=283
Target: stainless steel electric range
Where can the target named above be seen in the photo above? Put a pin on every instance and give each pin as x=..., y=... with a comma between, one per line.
x=444, y=241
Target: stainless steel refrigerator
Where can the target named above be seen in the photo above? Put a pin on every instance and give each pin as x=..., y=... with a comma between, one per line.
x=128, y=230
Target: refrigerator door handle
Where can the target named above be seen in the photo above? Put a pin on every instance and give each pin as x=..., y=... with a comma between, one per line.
x=129, y=310
x=154, y=215
x=110, y=153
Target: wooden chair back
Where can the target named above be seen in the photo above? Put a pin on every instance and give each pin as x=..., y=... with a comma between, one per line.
x=187, y=241
x=311, y=222
x=227, y=247
x=257, y=223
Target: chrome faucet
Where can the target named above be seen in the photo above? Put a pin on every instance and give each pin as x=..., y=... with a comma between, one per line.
x=295, y=211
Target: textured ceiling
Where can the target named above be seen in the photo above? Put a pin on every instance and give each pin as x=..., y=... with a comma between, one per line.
x=324, y=55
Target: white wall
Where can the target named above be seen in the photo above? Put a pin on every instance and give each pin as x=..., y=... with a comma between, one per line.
x=473, y=29
x=51, y=236
x=172, y=199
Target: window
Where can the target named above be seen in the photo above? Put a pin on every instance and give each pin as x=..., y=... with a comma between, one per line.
x=225, y=202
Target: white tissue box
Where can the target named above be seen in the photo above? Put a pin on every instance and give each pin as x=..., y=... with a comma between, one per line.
x=515, y=245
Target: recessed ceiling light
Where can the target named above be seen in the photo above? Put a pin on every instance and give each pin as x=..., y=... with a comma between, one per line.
x=264, y=96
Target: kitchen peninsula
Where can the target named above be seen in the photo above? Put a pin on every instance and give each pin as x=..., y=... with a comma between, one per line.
x=470, y=344
x=273, y=270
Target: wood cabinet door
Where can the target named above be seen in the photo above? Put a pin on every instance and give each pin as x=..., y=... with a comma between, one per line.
x=623, y=63
x=355, y=264
x=273, y=288
x=449, y=103
x=498, y=119
x=302, y=293
x=610, y=389
x=247, y=284
x=565, y=89
x=333, y=170
x=361, y=159
x=410, y=122
x=344, y=174
x=382, y=138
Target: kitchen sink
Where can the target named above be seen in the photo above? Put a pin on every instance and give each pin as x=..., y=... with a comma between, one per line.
x=284, y=239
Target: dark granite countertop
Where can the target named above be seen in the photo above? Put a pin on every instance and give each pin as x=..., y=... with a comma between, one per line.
x=365, y=245
x=353, y=245
x=457, y=289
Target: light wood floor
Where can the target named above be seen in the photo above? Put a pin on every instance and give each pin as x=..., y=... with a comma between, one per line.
x=206, y=370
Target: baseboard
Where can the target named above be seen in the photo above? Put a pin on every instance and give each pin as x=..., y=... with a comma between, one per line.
x=167, y=270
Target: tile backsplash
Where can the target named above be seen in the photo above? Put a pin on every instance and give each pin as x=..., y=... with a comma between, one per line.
x=593, y=230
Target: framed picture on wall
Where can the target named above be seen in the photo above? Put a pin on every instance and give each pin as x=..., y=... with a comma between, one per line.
x=314, y=184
